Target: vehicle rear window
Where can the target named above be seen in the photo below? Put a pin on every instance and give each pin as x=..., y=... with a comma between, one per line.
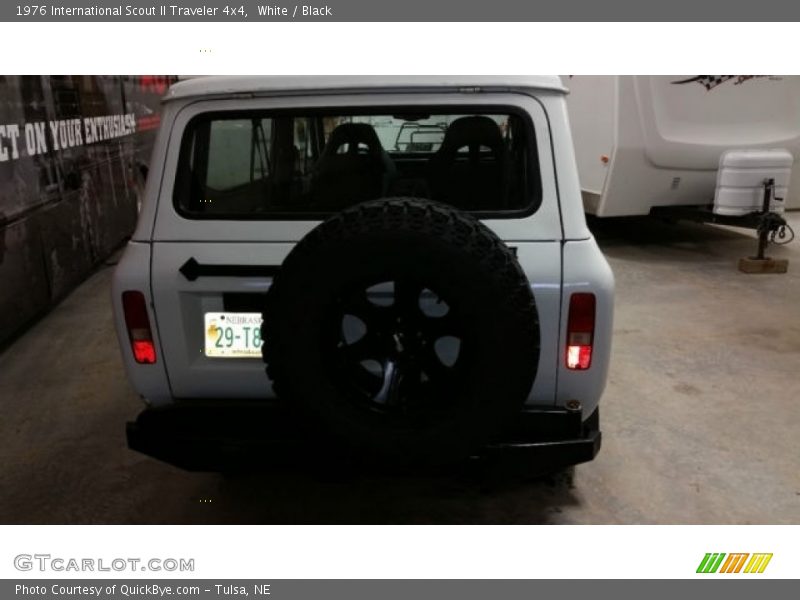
x=258, y=165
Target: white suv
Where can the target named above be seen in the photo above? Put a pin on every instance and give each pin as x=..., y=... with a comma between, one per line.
x=408, y=255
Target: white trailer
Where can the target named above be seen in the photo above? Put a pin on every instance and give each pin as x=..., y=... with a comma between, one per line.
x=660, y=141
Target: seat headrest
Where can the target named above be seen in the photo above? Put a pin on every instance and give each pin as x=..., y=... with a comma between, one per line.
x=472, y=131
x=354, y=134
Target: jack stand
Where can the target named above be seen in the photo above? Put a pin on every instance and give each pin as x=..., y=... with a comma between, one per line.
x=762, y=263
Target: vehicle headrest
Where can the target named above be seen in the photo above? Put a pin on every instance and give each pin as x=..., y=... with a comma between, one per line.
x=472, y=131
x=354, y=134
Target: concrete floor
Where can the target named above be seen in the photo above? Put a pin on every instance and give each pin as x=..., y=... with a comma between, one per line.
x=700, y=418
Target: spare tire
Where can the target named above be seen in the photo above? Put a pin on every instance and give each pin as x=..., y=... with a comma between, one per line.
x=405, y=327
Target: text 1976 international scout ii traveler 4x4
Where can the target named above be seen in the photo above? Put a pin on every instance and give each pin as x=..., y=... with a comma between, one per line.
x=408, y=255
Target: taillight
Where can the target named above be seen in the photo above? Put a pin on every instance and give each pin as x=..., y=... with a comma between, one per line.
x=138, y=325
x=580, y=331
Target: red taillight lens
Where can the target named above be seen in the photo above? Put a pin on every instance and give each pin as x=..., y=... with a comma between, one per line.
x=138, y=324
x=580, y=331
x=144, y=351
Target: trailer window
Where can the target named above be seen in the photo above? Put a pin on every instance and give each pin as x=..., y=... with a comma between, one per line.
x=293, y=165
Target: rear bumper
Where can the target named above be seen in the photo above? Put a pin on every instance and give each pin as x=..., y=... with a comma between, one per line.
x=545, y=439
x=232, y=436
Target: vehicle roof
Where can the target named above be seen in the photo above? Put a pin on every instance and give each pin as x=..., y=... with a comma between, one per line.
x=280, y=85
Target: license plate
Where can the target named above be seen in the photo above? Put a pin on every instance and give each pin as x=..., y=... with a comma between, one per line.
x=233, y=335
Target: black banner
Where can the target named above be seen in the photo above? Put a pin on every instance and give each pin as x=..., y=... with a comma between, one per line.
x=404, y=11
x=372, y=589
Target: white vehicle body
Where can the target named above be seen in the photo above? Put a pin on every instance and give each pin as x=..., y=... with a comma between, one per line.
x=553, y=245
x=646, y=141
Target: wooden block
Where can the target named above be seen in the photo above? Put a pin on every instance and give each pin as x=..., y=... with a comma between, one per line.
x=765, y=265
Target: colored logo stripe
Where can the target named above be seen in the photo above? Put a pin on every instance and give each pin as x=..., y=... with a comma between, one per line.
x=710, y=562
x=758, y=563
x=733, y=564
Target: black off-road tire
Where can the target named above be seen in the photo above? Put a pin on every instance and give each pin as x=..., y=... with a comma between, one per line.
x=420, y=244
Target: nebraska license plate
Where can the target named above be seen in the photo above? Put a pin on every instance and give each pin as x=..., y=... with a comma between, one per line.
x=233, y=335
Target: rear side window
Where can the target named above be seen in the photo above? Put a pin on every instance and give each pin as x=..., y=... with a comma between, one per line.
x=279, y=165
x=237, y=154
